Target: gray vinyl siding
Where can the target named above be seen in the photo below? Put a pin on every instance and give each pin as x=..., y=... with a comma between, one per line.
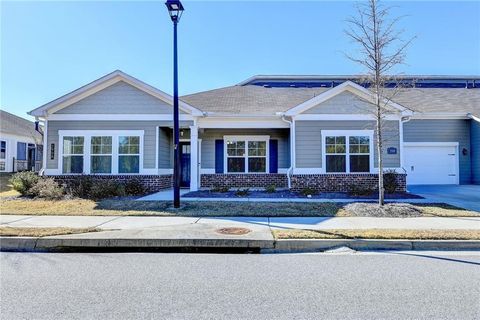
x=209, y=136
x=149, y=138
x=308, y=140
x=448, y=130
x=343, y=103
x=475, y=152
x=119, y=98
x=165, y=142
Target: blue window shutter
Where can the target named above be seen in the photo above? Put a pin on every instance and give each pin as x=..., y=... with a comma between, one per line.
x=218, y=156
x=273, y=161
x=21, y=151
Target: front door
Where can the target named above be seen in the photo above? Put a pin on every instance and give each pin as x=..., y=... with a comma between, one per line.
x=185, y=164
x=31, y=157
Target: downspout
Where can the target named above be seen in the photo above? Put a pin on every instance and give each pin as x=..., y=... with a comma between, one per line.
x=44, y=136
x=292, y=138
x=402, y=121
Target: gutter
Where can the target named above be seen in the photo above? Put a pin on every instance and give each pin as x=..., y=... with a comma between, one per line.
x=471, y=116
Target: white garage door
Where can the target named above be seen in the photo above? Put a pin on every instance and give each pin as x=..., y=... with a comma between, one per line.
x=431, y=164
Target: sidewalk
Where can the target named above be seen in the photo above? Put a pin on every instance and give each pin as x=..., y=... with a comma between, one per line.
x=315, y=223
x=184, y=233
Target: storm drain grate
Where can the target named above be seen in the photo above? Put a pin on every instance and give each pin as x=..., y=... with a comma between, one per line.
x=234, y=231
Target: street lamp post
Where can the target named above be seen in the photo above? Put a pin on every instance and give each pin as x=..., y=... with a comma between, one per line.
x=175, y=9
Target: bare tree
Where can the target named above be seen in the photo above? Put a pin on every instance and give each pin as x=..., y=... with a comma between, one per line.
x=381, y=50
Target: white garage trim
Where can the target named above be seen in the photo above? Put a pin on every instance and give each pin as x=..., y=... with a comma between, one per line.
x=440, y=144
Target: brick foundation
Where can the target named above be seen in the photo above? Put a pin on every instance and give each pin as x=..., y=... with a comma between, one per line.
x=341, y=182
x=153, y=183
x=250, y=180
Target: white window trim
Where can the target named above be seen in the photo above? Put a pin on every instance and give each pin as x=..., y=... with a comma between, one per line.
x=88, y=134
x=4, y=160
x=347, y=134
x=246, y=139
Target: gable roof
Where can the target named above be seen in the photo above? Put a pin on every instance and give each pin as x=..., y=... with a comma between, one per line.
x=103, y=83
x=12, y=124
x=349, y=86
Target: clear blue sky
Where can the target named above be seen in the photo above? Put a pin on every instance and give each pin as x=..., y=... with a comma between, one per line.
x=51, y=48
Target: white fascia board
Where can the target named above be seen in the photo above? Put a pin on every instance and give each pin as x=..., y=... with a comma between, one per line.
x=118, y=117
x=343, y=117
x=103, y=83
x=241, y=123
x=345, y=86
x=475, y=118
x=440, y=115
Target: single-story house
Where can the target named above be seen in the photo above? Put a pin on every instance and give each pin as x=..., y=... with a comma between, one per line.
x=21, y=144
x=287, y=131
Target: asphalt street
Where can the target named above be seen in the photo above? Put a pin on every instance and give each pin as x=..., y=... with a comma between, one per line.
x=348, y=285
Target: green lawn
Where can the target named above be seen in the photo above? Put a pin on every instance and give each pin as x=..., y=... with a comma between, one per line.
x=117, y=207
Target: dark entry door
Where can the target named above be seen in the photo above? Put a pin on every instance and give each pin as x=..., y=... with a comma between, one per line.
x=31, y=157
x=185, y=164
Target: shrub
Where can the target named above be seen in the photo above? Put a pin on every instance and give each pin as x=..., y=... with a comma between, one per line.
x=271, y=188
x=105, y=188
x=359, y=190
x=219, y=188
x=390, y=181
x=242, y=192
x=24, y=181
x=307, y=191
x=134, y=187
x=80, y=187
x=47, y=188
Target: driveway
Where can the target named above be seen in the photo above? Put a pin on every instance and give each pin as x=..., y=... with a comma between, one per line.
x=464, y=196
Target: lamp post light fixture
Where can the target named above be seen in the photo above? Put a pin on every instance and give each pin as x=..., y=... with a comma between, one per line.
x=175, y=9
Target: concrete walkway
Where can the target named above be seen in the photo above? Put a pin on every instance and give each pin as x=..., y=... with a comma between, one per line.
x=181, y=223
x=463, y=196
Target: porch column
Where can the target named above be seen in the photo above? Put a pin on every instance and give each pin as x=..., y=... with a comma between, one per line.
x=193, y=158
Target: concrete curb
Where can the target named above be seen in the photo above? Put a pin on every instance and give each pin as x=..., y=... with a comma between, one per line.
x=295, y=245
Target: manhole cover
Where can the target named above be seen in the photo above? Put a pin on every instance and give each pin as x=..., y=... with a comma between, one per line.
x=233, y=231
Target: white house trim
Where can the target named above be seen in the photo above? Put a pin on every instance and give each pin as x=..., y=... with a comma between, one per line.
x=440, y=115
x=345, y=86
x=265, y=138
x=118, y=117
x=241, y=123
x=87, y=134
x=343, y=117
x=347, y=134
x=103, y=83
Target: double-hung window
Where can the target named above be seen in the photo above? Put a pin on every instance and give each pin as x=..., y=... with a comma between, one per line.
x=101, y=154
x=246, y=155
x=128, y=154
x=73, y=154
x=348, y=152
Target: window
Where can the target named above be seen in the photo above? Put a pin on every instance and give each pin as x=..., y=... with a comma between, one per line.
x=359, y=148
x=73, y=154
x=101, y=154
x=128, y=154
x=246, y=155
x=346, y=153
x=3, y=149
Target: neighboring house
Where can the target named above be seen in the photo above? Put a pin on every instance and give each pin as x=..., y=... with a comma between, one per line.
x=289, y=131
x=20, y=144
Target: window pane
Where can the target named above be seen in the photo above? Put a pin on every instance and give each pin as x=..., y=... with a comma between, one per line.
x=257, y=148
x=340, y=148
x=360, y=163
x=336, y=163
x=128, y=164
x=101, y=164
x=72, y=145
x=354, y=148
x=364, y=140
x=330, y=140
x=257, y=164
x=330, y=149
x=129, y=145
x=3, y=150
x=340, y=140
x=364, y=149
x=73, y=164
x=236, y=148
x=354, y=140
x=236, y=164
